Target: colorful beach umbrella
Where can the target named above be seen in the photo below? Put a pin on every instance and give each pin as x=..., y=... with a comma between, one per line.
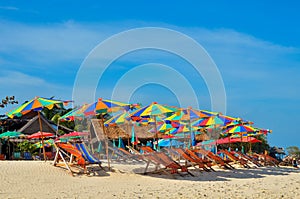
x=154, y=110
x=102, y=106
x=48, y=143
x=240, y=129
x=37, y=104
x=118, y=119
x=76, y=113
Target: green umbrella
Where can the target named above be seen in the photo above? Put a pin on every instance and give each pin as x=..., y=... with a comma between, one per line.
x=11, y=134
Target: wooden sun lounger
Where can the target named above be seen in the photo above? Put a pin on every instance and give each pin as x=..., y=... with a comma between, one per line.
x=250, y=159
x=88, y=157
x=267, y=160
x=160, y=158
x=191, y=160
x=207, y=163
x=146, y=149
x=135, y=157
x=62, y=150
x=133, y=151
x=235, y=159
x=215, y=158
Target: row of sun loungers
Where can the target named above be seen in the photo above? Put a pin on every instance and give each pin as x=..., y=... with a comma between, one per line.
x=169, y=161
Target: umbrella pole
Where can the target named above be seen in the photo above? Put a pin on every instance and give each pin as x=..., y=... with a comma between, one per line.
x=106, y=142
x=41, y=130
x=156, y=133
x=127, y=129
x=57, y=127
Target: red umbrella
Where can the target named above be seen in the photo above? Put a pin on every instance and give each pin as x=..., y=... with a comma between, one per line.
x=74, y=134
x=40, y=135
x=233, y=140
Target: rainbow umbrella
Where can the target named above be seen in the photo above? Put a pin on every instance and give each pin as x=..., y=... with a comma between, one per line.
x=154, y=110
x=118, y=119
x=76, y=113
x=240, y=129
x=37, y=104
x=102, y=106
x=47, y=143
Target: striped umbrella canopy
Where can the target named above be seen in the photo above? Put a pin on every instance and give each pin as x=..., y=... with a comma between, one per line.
x=213, y=120
x=189, y=114
x=102, y=106
x=240, y=129
x=153, y=109
x=36, y=104
x=47, y=143
x=76, y=113
x=118, y=119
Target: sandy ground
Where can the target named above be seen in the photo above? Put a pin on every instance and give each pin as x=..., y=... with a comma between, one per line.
x=36, y=179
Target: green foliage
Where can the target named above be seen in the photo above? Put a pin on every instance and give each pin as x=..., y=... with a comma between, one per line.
x=26, y=146
x=293, y=151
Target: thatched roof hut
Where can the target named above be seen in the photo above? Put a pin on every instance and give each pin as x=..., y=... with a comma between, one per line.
x=114, y=132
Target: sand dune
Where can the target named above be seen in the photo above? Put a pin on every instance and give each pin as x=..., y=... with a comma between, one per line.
x=36, y=179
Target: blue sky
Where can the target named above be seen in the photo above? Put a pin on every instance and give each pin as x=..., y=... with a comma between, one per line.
x=255, y=45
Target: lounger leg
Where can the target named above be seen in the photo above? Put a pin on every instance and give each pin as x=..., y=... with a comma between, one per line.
x=65, y=162
x=148, y=163
x=56, y=157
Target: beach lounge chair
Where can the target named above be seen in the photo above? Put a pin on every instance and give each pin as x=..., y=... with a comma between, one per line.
x=207, y=163
x=170, y=166
x=192, y=161
x=247, y=157
x=235, y=159
x=135, y=157
x=146, y=149
x=17, y=155
x=267, y=160
x=27, y=156
x=87, y=156
x=62, y=150
x=215, y=158
x=133, y=151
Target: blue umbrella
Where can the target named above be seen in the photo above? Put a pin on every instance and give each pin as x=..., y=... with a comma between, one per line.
x=121, y=144
x=169, y=142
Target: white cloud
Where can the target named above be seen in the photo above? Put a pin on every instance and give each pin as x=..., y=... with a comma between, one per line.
x=242, y=59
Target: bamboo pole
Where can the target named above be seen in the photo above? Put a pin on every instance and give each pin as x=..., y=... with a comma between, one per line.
x=41, y=130
x=106, y=142
x=156, y=133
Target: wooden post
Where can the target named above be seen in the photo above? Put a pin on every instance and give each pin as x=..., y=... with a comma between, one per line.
x=106, y=142
x=41, y=130
x=156, y=133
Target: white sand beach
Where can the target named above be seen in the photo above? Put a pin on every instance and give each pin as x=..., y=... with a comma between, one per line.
x=37, y=179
